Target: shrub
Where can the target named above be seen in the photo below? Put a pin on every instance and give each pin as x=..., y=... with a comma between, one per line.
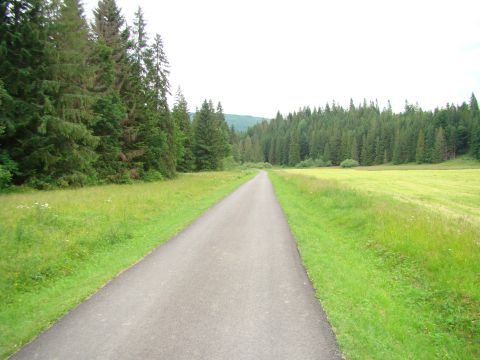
x=5, y=177
x=8, y=168
x=308, y=163
x=153, y=175
x=349, y=163
x=229, y=163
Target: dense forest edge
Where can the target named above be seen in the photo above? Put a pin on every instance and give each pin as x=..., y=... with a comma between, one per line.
x=367, y=134
x=87, y=103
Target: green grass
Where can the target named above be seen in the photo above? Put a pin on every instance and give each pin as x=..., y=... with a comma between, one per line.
x=462, y=162
x=397, y=280
x=54, y=256
x=453, y=192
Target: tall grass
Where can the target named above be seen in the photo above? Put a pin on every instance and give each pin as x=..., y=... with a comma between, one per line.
x=398, y=281
x=58, y=247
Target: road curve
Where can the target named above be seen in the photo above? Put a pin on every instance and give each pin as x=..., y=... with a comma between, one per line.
x=230, y=286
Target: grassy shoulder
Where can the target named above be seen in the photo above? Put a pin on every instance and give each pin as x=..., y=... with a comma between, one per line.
x=59, y=247
x=397, y=281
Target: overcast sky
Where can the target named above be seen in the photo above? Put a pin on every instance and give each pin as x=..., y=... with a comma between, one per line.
x=261, y=56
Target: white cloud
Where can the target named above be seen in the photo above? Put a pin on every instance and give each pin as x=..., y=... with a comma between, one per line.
x=258, y=57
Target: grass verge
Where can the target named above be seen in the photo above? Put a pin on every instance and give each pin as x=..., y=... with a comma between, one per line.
x=58, y=247
x=397, y=281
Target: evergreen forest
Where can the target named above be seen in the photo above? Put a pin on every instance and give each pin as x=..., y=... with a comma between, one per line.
x=367, y=134
x=86, y=102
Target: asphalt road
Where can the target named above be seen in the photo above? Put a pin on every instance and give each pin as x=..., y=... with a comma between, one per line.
x=230, y=286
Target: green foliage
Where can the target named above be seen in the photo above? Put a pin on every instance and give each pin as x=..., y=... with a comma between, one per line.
x=420, y=150
x=183, y=134
x=365, y=133
x=440, y=147
x=211, y=136
x=349, y=163
x=153, y=175
x=294, y=149
x=309, y=163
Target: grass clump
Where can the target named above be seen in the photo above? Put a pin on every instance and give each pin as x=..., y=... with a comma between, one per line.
x=397, y=281
x=58, y=247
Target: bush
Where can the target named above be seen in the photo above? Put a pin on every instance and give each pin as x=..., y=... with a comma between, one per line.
x=349, y=163
x=153, y=175
x=308, y=163
x=8, y=168
x=5, y=177
x=229, y=163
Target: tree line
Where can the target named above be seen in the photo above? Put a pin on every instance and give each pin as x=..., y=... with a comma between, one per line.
x=365, y=133
x=84, y=103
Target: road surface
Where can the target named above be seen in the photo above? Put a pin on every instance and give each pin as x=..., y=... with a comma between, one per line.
x=230, y=286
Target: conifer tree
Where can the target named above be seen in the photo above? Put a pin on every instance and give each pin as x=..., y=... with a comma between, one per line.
x=23, y=72
x=160, y=136
x=65, y=143
x=440, y=147
x=109, y=57
x=183, y=134
x=222, y=135
x=354, y=152
x=326, y=152
x=205, y=158
x=420, y=150
x=110, y=31
x=396, y=157
x=294, y=149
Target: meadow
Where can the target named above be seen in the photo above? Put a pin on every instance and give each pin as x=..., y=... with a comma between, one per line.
x=59, y=247
x=393, y=255
x=448, y=187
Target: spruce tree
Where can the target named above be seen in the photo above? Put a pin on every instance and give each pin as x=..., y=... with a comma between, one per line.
x=109, y=30
x=109, y=57
x=420, y=150
x=354, y=149
x=203, y=129
x=221, y=136
x=23, y=75
x=440, y=147
x=396, y=157
x=160, y=136
x=183, y=134
x=475, y=128
x=64, y=142
x=294, y=149
x=326, y=152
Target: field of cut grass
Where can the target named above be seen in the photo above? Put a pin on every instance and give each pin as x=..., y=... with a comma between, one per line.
x=453, y=192
x=398, y=280
x=58, y=247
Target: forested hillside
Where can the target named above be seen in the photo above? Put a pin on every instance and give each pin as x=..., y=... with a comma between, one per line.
x=242, y=122
x=87, y=103
x=367, y=134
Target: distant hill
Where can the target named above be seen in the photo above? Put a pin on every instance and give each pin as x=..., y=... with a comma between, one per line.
x=240, y=122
